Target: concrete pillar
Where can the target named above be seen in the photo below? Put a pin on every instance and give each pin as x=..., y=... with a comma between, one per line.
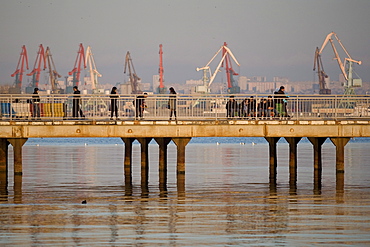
x=181, y=143
x=162, y=166
x=339, y=143
x=273, y=158
x=17, y=144
x=293, y=142
x=127, y=165
x=144, y=143
x=317, y=161
x=4, y=166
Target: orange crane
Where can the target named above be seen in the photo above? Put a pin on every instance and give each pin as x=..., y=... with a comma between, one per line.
x=132, y=74
x=40, y=58
x=76, y=71
x=161, y=89
x=20, y=69
x=53, y=74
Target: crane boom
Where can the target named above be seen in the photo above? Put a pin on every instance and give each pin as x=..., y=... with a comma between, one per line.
x=53, y=74
x=76, y=71
x=94, y=74
x=23, y=58
x=132, y=74
x=35, y=73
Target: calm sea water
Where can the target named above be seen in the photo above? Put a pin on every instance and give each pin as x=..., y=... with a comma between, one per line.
x=227, y=200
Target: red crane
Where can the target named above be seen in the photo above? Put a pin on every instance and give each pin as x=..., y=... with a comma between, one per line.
x=76, y=72
x=20, y=69
x=161, y=88
x=40, y=58
x=231, y=84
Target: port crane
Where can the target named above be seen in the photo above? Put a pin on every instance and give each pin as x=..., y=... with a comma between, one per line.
x=23, y=60
x=208, y=76
x=346, y=66
x=76, y=71
x=134, y=79
x=53, y=74
x=94, y=74
x=35, y=73
x=161, y=88
x=321, y=73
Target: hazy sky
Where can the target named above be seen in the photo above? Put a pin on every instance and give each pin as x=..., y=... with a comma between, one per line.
x=268, y=37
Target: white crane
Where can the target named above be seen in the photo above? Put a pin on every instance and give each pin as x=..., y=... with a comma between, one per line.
x=208, y=79
x=94, y=74
x=346, y=66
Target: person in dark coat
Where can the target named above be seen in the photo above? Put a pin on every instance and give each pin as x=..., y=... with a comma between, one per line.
x=140, y=105
x=172, y=103
x=281, y=102
x=113, y=103
x=36, y=104
x=76, y=103
x=231, y=107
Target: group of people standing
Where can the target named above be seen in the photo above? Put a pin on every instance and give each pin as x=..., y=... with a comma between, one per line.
x=267, y=107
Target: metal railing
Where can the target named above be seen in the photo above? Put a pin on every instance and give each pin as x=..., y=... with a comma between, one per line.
x=188, y=107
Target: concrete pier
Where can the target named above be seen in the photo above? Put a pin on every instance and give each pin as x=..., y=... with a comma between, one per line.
x=16, y=133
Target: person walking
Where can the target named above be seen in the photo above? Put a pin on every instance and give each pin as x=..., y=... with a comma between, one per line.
x=113, y=103
x=35, y=104
x=172, y=103
x=76, y=103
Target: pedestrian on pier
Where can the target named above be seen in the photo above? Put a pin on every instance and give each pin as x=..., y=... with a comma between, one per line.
x=231, y=107
x=36, y=103
x=113, y=103
x=140, y=105
x=172, y=103
x=271, y=111
x=76, y=103
x=281, y=102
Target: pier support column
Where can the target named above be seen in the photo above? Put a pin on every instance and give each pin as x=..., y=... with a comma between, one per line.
x=162, y=166
x=293, y=142
x=339, y=143
x=273, y=158
x=317, y=161
x=3, y=166
x=144, y=143
x=181, y=144
x=17, y=144
x=127, y=165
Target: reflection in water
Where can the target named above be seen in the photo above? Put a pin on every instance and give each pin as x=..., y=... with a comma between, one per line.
x=224, y=199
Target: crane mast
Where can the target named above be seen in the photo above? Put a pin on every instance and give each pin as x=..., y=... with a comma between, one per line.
x=76, y=71
x=346, y=66
x=53, y=74
x=23, y=59
x=94, y=74
x=225, y=62
x=35, y=73
x=161, y=89
x=134, y=79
